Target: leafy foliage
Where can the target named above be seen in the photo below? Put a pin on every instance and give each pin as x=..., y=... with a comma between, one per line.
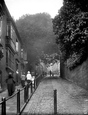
x=47, y=59
x=71, y=28
x=82, y=4
x=37, y=35
x=67, y=11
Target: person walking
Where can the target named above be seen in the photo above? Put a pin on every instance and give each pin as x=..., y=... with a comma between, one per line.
x=50, y=73
x=10, y=84
x=33, y=78
x=28, y=77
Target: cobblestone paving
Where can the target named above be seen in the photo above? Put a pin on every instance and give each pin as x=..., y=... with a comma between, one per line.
x=71, y=99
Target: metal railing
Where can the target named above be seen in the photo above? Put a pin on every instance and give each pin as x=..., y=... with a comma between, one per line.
x=26, y=96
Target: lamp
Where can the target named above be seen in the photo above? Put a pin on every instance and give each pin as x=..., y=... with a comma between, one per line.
x=1, y=51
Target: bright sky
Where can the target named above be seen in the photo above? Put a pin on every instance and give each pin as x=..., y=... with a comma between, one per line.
x=17, y=8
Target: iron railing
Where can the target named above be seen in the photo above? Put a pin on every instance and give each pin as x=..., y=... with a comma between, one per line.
x=26, y=96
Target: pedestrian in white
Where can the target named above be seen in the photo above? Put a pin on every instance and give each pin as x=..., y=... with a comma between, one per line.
x=29, y=77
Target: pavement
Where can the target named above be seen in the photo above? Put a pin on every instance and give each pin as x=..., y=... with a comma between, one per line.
x=4, y=93
x=11, y=104
x=71, y=99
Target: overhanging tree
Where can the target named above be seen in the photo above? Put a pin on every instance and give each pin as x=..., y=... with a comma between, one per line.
x=71, y=28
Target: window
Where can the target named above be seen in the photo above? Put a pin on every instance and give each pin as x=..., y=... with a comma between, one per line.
x=0, y=26
x=21, y=53
x=13, y=37
x=17, y=66
x=7, y=30
x=11, y=32
x=9, y=58
x=13, y=45
x=17, y=45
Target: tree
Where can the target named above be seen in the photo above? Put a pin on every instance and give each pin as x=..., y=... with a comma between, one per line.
x=67, y=11
x=71, y=28
x=52, y=58
x=37, y=35
x=81, y=4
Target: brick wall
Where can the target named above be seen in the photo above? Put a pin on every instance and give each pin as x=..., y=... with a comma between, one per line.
x=79, y=75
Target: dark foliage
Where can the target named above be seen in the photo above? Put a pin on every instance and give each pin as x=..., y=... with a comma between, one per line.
x=71, y=28
x=82, y=4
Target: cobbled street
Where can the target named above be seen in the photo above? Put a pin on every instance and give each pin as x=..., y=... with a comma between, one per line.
x=71, y=99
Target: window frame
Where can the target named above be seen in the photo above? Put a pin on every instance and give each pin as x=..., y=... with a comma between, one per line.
x=9, y=58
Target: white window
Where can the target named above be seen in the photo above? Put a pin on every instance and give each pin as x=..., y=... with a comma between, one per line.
x=11, y=32
x=21, y=53
x=17, y=46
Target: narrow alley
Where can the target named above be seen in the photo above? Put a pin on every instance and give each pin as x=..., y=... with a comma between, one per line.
x=71, y=99
x=44, y=57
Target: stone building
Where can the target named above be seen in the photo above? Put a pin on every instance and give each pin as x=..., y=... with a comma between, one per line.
x=12, y=45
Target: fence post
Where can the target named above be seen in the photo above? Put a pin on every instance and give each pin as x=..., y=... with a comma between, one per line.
x=27, y=90
x=25, y=94
x=3, y=106
x=31, y=87
x=34, y=84
x=55, y=102
x=18, y=102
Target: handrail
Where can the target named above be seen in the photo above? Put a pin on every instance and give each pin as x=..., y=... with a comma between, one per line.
x=11, y=96
x=37, y=77
x=26, y=96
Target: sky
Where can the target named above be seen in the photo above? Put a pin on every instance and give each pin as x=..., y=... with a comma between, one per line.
x=17, y=8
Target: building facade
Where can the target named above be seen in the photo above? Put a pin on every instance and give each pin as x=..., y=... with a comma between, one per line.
x=12, y=45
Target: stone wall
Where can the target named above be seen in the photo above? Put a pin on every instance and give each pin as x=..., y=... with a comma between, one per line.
x=79, y=75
